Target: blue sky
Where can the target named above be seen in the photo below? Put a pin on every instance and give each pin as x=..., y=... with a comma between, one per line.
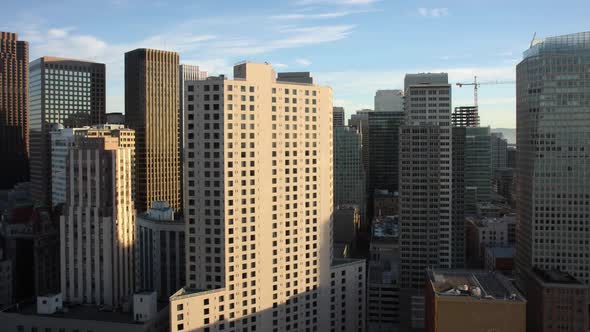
x=355, y=46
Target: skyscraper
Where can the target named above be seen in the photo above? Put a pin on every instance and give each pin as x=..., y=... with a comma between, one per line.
x=97, y=228
x=258, y=209
x=151, y=109
x=360, y=120
x=62, y=92
x=383, y=129
x=14, y=109
x=389, y=101
x=349, y=175
x=499, y=152
x=425, y=181
x=478, y=162
x=553, y=139
x=338, y=116
x=465, y=116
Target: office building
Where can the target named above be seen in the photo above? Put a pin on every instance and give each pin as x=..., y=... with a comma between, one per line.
x=504, y=184
x=499, y=147
x=349, y=175
x=97, y=228
x=385, y=203
x=478, y=162
x=360, y=120
x=62, y=92
x=556, y=302
x=338, y=116
x=62, y=141
x=465, y=116
x=383, y=140
x=459, y=194
x=484, y=232
x=553, y=141
x=467, y=301
x=151, y=109
x=258, y=209
x=115, y=118
x=14, y=109
x=159, y=250
x=511, y=156
x=389, y=101
x=428, y=233
x=383, y=307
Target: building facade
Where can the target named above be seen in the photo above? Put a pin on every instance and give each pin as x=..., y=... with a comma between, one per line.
x=383, y=128
x=553, y=138
x=428, y=235
x=151, y=109
x=349, y=175
x=556, y=302
x=160, y=255
x=14, y=109
x=485, y=232
x=65, y=92
x=478, y=162
x=258, y=208
x=499, y=146
x=389, y=101
x=338, y=116
x=97, y=228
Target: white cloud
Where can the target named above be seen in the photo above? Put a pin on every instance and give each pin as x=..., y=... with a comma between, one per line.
x=300, y=16
x=58, y=33
x=280, y=65
x=303, y=62
x=433, y=12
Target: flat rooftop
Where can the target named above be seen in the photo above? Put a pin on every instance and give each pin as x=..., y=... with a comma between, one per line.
x=480, y=285
x=81, y=312
x=556, y=277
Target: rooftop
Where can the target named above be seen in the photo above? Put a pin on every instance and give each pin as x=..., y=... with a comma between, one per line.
x=82, y=312
x=385, y=227
x=559, y=44
x=556, y=277
x=480, y=285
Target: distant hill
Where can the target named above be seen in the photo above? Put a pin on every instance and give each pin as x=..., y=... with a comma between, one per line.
x=509, y=134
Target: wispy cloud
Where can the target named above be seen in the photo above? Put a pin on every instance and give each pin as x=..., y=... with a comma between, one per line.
x=433, y=12
x=303, y=62
x=300, y=16
x=456, y=56
x=280, y=65
x=336, y=2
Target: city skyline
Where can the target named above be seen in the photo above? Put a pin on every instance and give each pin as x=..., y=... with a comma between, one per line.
x=324, y=36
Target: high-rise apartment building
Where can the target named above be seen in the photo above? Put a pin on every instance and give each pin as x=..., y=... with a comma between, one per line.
x=389, y=101
x=63, y=92
x=338, y=116
x=151, y=109
x=478, y=162
x=499, y=147
x=553, y=138
x=383, y=128
x=258, y=209
x=465, y=116
x=160, y=255
x=186, y=73
x=349, y=175
x=14, y=109
x=428, y=234
x=97, y=228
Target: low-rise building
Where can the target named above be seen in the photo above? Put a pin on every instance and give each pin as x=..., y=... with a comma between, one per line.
x=483, y=232
x=50, y=313
x=499, y=258
x=556, y=302
x=467, y=301
x=347, y=221
x=348, y=294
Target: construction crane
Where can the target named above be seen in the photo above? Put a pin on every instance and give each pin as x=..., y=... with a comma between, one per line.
x=476, y=85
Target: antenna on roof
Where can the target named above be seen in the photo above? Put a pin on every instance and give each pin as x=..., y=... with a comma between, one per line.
x=533, y=40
